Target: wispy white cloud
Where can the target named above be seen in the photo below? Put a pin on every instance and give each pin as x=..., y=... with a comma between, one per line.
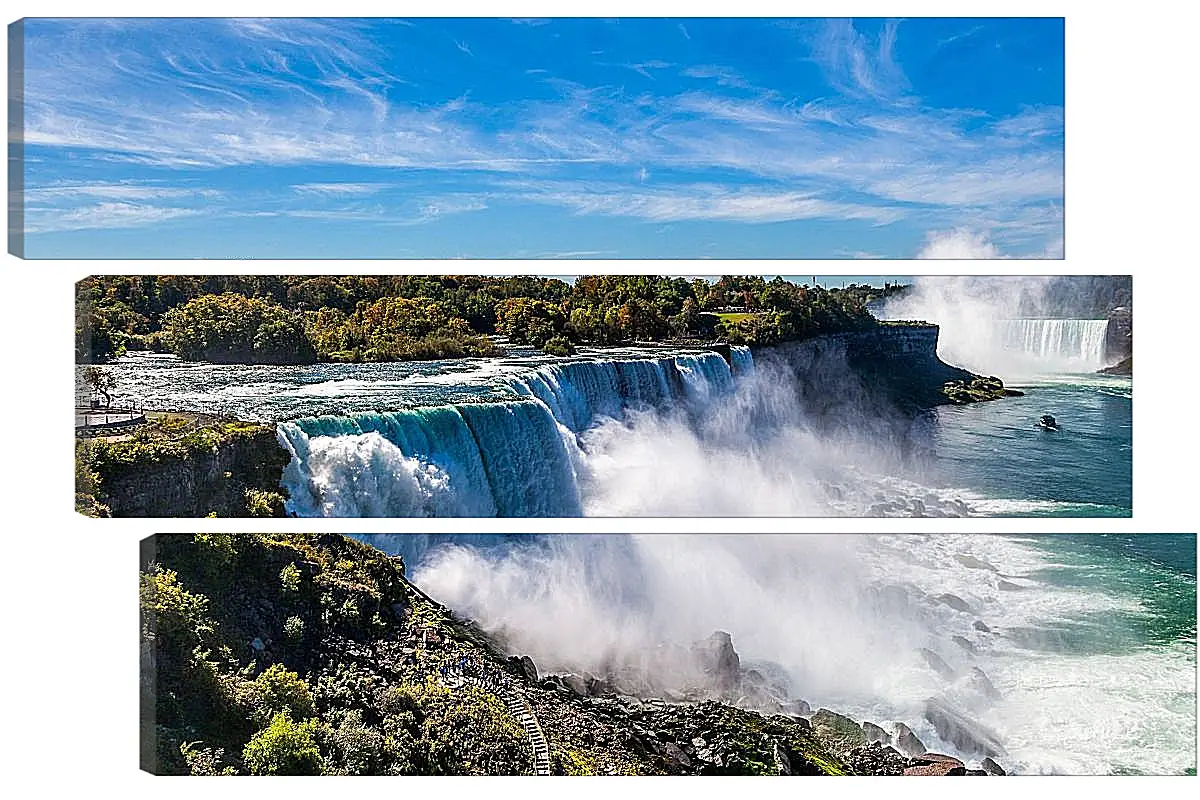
x=340, y=189
x=128, y=191
x=857, y=65
x=100, y=215
x=722, y=75
x=701, y=202
x=280, y=93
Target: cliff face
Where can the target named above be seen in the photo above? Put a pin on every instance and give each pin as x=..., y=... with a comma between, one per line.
x=1118, y=338
x=892, y=366
x=224, y=478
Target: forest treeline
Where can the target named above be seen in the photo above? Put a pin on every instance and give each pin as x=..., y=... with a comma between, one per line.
x=299, y=319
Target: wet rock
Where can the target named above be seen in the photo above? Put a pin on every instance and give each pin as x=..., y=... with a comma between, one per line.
x=938, y=664
x=876, y=759
x=954, y=601
x=1008, y=586
x=935, y=764
x=961, y=731
x=979, y=681
x=875, y=733
x=719, y=661
x=576, y=684
x=971, y=562
x=782, y=763
x=526, y=666
x=964, y=643
x=907, y=741
x=842, y=730
x=675, y=756
x=992, y=768
x=797, y=708
x=979, y=626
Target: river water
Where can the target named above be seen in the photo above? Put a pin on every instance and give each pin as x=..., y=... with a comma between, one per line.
x=1089, y=641
x=649, y=432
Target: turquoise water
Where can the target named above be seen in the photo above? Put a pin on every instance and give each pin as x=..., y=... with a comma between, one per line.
x=650, y=432
x=1017, y=468
x=1089, y=640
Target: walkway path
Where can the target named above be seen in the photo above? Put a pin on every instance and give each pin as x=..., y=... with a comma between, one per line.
x=517, y=705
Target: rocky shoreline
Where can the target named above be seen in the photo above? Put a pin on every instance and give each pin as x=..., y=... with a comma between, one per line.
x=365, y=658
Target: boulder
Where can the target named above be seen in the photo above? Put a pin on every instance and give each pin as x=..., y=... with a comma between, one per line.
x=719, y=661
x=675, y=756
x=992, y=768
x=1008, y=586
x=842, y=730
x=971, y=562
x=935, y=764
x=876, y=734
x=797, y=708
x=907, y=741
x=576, y=684
x=938, y=664
x=526, y=666
x=802, y=722
x=964, y=643
x=954, y=601
x=979, y=681
x=979, y=626
x=961, y=731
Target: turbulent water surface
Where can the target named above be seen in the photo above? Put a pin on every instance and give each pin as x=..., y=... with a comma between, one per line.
x=652, y=431
x=1088, y=641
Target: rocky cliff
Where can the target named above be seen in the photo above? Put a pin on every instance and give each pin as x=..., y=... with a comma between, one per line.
x=224, y=469
x=299, y=654
x=1118, y=337
x=893, y=365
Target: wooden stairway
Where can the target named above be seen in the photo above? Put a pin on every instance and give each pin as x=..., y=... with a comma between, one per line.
x=518, y=706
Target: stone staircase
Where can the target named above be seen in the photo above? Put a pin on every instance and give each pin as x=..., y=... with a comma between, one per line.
x=517, y=705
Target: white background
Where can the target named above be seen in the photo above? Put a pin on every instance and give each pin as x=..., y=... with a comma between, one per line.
x=70, y=701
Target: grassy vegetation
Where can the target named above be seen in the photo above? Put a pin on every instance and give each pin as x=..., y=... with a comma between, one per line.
x=734, y=317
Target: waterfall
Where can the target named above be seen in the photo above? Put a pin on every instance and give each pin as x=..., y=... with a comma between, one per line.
x=1063, y=343
x=506, y=458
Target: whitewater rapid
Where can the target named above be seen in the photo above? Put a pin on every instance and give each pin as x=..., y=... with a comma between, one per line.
x=521, y=457
x=1060, y=632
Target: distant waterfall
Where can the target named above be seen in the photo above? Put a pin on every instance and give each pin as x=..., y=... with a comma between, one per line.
x=511, y=458
x=1062, y=343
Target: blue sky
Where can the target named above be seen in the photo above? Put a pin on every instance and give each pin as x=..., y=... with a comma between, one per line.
x=632, y=138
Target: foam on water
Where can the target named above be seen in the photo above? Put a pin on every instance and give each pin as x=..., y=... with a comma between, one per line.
x=1082, y=687
x=520, y=458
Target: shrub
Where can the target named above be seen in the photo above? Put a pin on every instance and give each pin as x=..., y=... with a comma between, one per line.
x=261, y=503
x=278, y=689
x=559, y=346
x=293, y=630
x=205, y=760
x=289, y=579
x=284, y=748
x=170, y=612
